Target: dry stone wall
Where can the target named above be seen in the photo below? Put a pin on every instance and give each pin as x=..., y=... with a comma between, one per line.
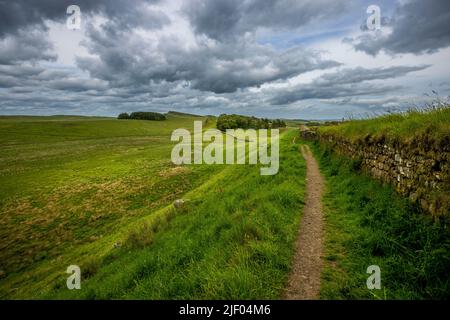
x=418, y=169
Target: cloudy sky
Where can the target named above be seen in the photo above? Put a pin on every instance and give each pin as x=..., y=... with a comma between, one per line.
x=313, y=59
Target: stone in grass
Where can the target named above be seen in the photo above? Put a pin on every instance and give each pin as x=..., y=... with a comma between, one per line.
x=2, y=274
x=178, y=203
x=117, y=244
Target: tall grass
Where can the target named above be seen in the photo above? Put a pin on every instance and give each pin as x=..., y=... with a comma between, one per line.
x=433, y=121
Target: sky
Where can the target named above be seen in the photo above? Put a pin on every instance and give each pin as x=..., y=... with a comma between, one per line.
x=302, y=59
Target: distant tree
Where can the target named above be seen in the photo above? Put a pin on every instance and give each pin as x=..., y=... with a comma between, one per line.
x=234, y=121
x=123, y=115
x=278, y=123
x=147, y=116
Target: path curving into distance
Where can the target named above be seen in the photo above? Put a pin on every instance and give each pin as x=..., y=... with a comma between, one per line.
x=304, y=280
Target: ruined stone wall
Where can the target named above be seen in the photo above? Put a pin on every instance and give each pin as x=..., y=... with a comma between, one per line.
x=419, y=170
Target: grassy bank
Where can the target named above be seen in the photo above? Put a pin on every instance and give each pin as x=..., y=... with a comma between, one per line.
x=414, y=124
x=369, y=224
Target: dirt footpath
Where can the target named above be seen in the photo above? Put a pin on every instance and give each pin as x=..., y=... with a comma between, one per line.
x=304, y=280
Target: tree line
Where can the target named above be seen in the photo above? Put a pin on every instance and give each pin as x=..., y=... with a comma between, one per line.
x=142, y=116
x=234, y=121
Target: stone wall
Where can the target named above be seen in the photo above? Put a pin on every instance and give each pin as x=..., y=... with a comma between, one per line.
x=418, y=169
x=308, y=134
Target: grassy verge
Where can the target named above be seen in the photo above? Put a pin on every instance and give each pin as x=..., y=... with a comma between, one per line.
x=369, y=224
x=415, y=124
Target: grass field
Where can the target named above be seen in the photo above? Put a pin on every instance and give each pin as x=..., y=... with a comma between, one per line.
x=66, y=183
x=72, y=187
x=98, y=193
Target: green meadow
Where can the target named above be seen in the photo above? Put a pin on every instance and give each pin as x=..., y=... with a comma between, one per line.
x=69, y=182
x=98, y=193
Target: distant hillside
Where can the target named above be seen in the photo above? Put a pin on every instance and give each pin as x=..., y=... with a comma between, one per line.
x=25, y=118
x=295, y=122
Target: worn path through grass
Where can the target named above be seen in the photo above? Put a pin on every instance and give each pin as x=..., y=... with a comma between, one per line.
x=304, y=280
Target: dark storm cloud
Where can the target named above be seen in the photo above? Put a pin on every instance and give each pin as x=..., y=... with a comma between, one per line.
x=20, y=71
x=23, y=32
x=220, y=19
x=254, y=68
x=418, y=27
x=344, y=83
x=126, y=60
x=8, y=82
x=18, y=14
x=29, y=76
x=360, y=74
x=78, y=84
x=224, y=64
x=27, y=45
x=328, y=91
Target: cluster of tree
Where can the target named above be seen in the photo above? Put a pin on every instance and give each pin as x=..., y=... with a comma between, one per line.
x=234, y=121
x=142, y=116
